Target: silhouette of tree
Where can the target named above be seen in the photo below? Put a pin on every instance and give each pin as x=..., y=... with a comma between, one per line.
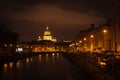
x=7, y=36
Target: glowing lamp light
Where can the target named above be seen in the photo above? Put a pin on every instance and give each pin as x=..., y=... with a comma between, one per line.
x=104, y=30
x=20, y=49
x=80, y=41
x=85, y=39
x=53, y=54
x=102, y=63
x=92, y=36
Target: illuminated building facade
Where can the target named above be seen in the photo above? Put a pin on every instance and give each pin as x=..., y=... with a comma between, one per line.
x=44, y=43
x=102, y=38
x=117, y=26
x=105, y=37
x=47, y=35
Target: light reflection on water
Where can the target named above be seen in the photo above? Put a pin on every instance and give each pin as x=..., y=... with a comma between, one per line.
x=5, y=67
x=48, y=64
x=47, y=57
x=18, y=64
x=40, y=57
x=53, y=56
x=27, y=61
x=31, y=59
x=11, y=65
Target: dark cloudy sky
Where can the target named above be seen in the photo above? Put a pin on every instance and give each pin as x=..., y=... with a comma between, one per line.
x=64, y=17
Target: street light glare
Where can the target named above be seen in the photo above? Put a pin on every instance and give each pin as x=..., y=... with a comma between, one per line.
x=84, y=39
x=104, y=30
x=80, y=41
x=92, y=36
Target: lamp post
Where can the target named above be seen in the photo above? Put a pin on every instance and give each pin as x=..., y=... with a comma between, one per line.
x=85, y=46
x=80, y=46
x=91, y=47
x=104, y=32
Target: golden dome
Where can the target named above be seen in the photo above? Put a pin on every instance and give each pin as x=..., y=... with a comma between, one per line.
x=46, y=35
x=47, y=32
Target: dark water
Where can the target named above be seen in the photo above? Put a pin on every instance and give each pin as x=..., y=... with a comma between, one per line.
x=52, y=66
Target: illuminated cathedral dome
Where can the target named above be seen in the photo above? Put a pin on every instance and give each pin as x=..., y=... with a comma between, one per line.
x=47, y=35
x=47, y=32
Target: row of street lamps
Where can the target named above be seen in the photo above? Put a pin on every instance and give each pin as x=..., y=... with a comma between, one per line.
x=84, y=46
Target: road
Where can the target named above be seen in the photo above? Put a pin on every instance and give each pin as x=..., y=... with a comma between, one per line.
x=53, y=66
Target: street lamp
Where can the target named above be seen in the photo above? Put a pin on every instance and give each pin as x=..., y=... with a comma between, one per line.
x=80, y=46
x=85, y=45
x=80, y=41
x=92, y=36
x=91, y=46
x=85, y=39
x=104, y=31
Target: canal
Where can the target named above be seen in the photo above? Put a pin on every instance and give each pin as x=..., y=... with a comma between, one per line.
x=52, y=66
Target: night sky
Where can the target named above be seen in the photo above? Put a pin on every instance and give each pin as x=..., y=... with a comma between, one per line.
x=64, y=17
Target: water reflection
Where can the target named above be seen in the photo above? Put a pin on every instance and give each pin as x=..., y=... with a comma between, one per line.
x=58, y=56
x=53, y=56
x=40, y=57
x=5, y=67
x=11, y=65
x=31, y=59
x=48, y=66
x=15, y=68
x=18, y=64
x=27, y=61
x=47, y=57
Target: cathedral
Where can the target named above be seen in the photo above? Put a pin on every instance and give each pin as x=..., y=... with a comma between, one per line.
x=45, y=43
x=47, y=35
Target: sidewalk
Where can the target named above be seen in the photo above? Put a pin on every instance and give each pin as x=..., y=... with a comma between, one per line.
x=84, y=61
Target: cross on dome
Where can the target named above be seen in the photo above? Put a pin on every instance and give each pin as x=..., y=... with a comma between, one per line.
x=47, y=27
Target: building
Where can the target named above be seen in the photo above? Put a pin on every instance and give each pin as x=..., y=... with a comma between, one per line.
x=93, y=39
x=117, y=26
x=105, y=37
x=44, y=43
x=81, y=43
x=47, y=35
